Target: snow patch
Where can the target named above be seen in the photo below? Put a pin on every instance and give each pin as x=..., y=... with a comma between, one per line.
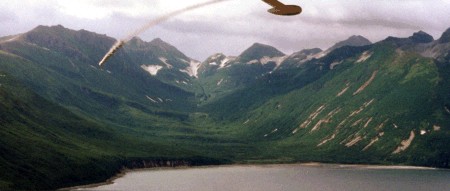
x=109, y=72
x=368, y=82
x=225, y=61
x=157, y=99
x=272, y=132
x=395, y=125
x=364, y=106
x=366, y=55
x=216, y=56
x=152, y=100
x=279, y=106
x=278, y=60
x=381, y=126
x=354, y=141
x=423, y=132
x=213, y=63
x=248, y=120
x=152, y=69
x=334, y=64
x=368, y=122
x=405, y=143
x=327, y=140
x=343, y=90
x=447, y=109
x=327, y=119
x=356, y=122
x=373, y=141
x=13, y=38
x=253, y=62
x=436, y=128
x=164, y=60
x=320, y=54
x=192, y=69
x=220, y=82
x=311, y=117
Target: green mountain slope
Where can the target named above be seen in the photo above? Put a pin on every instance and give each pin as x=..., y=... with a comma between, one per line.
x=46, y=146
x=362, y=111
x=64, y=121
x=46, y=143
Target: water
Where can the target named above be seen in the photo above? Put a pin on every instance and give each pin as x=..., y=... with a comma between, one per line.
x=282, y=177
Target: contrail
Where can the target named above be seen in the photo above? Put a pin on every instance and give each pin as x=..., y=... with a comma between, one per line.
x=150, y=24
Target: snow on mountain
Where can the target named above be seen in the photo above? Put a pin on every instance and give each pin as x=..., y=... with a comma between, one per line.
x=164, y=60
x=277, y=60
x=152, y=69
x=224, y=63
x=192, y=69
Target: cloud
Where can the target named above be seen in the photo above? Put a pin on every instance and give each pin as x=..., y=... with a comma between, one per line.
x=232, y=26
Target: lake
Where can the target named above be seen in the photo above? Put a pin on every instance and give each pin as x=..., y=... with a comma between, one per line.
x=282, y=177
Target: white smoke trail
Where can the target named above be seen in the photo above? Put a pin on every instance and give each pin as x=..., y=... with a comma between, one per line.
x=150, y=24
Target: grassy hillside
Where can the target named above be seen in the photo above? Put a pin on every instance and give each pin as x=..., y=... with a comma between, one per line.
x=65, y=122
x=361, y=112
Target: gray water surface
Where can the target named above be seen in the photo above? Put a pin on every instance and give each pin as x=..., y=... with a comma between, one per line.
x=282, y=177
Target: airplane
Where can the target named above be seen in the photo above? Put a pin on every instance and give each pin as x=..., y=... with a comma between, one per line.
x=279, y=8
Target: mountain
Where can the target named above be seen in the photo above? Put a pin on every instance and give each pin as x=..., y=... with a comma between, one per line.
x=421, y=37
x=35, y=133
x=162, y=60
x=417, y=38
x=214, y=63
x=220, y=74
x=65, y=121
x=355, y=40
x=298, y=58
x=258, y=51
x=445, y=38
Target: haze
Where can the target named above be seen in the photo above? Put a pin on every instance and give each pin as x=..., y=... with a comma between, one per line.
x=232, y=26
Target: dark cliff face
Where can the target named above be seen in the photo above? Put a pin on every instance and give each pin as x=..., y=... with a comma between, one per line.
x=417, y=38
x=421, y=37
x=312, y=51
x=445, y=38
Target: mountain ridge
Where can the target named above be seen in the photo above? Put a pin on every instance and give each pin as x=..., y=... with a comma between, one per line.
x=353, y=104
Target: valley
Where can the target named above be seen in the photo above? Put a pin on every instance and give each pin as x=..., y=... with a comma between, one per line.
x=65, y=121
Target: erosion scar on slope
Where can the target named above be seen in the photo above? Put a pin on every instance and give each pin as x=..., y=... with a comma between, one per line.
x=150, y=24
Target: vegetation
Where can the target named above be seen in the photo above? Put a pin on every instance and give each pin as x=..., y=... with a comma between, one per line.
x=66, y=122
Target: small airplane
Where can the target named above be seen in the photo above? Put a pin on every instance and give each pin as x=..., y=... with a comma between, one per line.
x=282, y=9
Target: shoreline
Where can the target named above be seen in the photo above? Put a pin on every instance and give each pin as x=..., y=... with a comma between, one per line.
x=123, y=172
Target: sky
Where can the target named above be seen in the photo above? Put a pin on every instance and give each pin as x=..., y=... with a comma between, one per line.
x=232, y=26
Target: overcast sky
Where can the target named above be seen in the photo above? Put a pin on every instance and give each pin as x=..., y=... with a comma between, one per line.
x=232, y=26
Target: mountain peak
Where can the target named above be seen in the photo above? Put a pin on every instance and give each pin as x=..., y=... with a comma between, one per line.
x=137, y=42
x=421, y=37
x=355, y=40
x=164, y=46
x=60, y=39
x=157, y=41
x=157, y=46
x=257, y=51
x=445, y=38
x=308, y=52
x=44, y=27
